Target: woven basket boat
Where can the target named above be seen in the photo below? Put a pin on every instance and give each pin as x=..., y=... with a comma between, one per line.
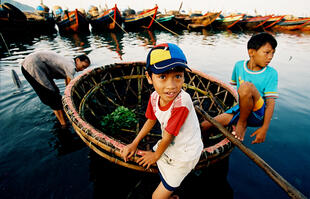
x=98, y=92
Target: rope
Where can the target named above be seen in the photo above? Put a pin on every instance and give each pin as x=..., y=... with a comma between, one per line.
x=164, y=26
x=118, y=24
x=5, y=44
x=180, y=23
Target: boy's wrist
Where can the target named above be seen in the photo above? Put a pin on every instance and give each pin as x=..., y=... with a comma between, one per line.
x=157, y=155
x=135, y=143
x=265, y=127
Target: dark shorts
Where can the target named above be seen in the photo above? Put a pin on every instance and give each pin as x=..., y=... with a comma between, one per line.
x=255, y=119
x=168, y=187
x=47, y=96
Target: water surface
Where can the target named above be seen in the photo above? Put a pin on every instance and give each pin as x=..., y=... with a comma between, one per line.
x=40, y=160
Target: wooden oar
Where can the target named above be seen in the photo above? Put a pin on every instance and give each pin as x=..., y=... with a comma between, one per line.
x=286, y=186
x=7, y=48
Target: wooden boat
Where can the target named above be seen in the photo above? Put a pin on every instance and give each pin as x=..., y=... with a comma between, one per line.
x=228, y=22
x=14, y=21
x=306, y=26
x=128, y=12
x=272, y=21
x=294, y=24
x=164, y=21
x=179, y=19
x=142, y=20
x=109, y=20
x=70, y=22
x=253, y=23
x=97, y=93
x=39, y=23
x=204, y=21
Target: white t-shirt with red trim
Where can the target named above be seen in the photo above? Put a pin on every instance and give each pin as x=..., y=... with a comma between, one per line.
x=179, y=119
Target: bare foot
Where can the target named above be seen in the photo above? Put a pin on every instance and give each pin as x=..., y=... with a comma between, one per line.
x=240, y=131
x=174, y=197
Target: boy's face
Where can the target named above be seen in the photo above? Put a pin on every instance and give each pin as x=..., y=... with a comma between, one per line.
x=81, y=65
x=263, y=56
x=167, y=85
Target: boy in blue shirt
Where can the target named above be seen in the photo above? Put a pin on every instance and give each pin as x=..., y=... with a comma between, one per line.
x=257, y=89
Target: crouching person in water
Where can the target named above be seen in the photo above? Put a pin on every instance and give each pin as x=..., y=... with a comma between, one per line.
x=179, y=150
x=40, y=68
x=257, y=85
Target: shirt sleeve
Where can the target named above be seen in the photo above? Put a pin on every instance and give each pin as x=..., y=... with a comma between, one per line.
x=177, y=119
x=271, y=90
x=70, y=71
x=233, y=80
x=150, y=114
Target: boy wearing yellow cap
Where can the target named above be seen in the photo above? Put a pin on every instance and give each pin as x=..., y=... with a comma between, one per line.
x=179, y=150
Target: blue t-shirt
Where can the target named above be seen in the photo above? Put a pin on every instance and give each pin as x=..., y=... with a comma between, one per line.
x=265, y=80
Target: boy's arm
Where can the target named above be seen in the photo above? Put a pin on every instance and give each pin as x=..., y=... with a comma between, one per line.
x=130, y=149
x=67, y=80
x=148, y=158
x=262, y=131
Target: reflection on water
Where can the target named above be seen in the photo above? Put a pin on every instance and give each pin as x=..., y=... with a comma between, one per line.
x=65, y=141
x=147, y=37
x=32, y=145
x=77, y=40
x=109, y=177
x=111, y=41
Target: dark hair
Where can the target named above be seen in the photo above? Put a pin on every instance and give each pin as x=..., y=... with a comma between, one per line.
x=83, y=58
x=175, y=69
x=260, y=39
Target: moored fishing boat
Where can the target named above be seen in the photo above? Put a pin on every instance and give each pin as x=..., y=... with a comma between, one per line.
x=198, y=22
x=108, y=20
x=38, y=23
x=70, y=22
x=272, y=21
x=228, y=22
x=293, y=24
x=306, y=26
x=180, y=20
x=14, y=21
x=142, y=20
x=164, y=21
x=97, y=93
x=188, y=18
x=253, y=23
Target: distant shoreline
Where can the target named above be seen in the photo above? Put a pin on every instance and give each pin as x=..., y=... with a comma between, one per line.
x=298, y=8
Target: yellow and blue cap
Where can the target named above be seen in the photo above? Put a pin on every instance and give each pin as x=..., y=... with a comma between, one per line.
x=164, y=57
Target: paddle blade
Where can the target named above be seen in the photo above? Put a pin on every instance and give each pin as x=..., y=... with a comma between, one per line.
x=16, y=80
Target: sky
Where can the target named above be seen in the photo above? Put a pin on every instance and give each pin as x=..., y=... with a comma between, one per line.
x=299, y=8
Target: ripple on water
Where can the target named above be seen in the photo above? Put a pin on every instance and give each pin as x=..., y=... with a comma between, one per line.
x=30, y=138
